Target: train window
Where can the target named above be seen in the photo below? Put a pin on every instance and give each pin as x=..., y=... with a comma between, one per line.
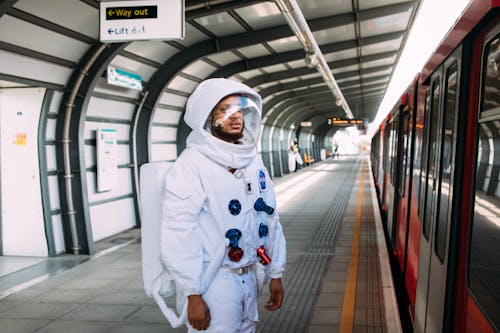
x=404, y=149
x=386, y=148
x=430, y=195
x=447, y=139
x=417, y=155
x=491, y=101
x=423, y=171
x=394, y=147
x=390, y=151
x=484, y=261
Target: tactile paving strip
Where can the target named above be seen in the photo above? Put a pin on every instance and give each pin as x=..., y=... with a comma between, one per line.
x=302, y=287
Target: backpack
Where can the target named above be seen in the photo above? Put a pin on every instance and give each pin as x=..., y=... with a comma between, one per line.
x=158, y=283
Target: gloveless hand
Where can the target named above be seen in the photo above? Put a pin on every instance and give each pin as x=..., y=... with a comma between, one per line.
x=198, y=312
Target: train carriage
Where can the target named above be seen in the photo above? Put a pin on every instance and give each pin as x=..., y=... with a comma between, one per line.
x=441, y=165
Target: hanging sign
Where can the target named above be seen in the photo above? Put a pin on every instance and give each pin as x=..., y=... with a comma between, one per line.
x=122, y=78
x=126, y=20
x=345, y=121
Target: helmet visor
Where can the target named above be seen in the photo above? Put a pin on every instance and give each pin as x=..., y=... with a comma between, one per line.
x=230, y=106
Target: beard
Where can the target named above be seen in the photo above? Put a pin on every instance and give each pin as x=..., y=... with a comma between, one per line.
x=217, y=131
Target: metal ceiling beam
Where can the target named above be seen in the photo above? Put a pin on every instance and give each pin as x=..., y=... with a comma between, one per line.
x=31, y=82
x=319, y=102
x=202, y=8
x=276, y=76
x=36, y=55
x=300, y=27
x=275, y=106
x=283, y=101
x=270, y=60
x=32, y=19
x=5, y=5
x=280, y=87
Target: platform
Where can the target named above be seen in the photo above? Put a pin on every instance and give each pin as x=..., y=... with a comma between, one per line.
x=337, y=277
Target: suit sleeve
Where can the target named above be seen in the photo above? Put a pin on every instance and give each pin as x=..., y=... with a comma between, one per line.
x=278, y=259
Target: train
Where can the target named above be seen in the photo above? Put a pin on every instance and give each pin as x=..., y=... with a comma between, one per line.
x=435, y=160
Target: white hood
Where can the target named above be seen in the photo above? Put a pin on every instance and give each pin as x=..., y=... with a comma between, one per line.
x=199, y=106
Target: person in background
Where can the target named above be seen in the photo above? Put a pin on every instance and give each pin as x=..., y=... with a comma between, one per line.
x=221, y=238
x=335, y=150
x=294, y=149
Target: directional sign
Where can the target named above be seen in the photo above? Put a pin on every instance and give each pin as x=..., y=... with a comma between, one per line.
x=127, y=20
x=127, y=13
x=345, y=121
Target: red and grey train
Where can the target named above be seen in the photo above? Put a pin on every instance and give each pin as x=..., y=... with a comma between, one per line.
x=436, y=165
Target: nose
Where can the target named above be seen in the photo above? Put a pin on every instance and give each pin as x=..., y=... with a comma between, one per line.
x=237, y=114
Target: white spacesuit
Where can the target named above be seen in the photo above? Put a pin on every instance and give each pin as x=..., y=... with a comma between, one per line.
x=219, y=196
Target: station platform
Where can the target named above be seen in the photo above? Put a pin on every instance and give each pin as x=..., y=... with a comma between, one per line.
x=337, y=276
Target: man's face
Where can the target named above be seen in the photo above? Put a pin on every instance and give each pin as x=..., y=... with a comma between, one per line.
x=227, y=128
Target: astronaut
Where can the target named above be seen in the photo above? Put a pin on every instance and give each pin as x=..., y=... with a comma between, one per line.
x=219, y=211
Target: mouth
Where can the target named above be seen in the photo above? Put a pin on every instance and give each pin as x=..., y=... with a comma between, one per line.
x=236, y=126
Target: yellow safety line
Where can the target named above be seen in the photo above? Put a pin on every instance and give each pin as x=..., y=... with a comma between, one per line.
x=347, y=319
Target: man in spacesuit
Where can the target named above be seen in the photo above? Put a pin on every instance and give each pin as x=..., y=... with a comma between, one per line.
x=221, y=238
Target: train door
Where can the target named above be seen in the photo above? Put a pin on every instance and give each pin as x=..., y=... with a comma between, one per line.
x=436, y=195
x=401, y=201
x=482, y=309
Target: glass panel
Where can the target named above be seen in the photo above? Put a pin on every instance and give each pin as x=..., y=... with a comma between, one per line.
x=430, y=196
x=386, y=161
x=394, y=144
x=446, y=165
x=425, y=148
x=491, y=99
x=484, y=265
x=387, y=149
x=405, y=150
x=484, y=260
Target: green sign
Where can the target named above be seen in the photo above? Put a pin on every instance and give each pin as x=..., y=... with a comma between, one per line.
x=119, y=77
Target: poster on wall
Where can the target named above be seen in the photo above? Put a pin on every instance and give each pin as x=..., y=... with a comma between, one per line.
x=107, y=166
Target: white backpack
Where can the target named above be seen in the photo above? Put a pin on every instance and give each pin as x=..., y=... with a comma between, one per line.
x=158, y=282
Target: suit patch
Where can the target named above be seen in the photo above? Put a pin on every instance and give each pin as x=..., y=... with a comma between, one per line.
x=261, y=174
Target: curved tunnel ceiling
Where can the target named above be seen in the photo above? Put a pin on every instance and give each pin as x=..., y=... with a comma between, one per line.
x=248, y=41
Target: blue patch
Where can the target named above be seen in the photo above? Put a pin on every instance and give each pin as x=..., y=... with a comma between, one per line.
x=263, y=230
x=262, y=180
x=234, y=207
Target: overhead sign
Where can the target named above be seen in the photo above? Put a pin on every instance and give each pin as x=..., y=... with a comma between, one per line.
x=127, y=20
x=345, y=121
x=130, y=13
x=119, y=77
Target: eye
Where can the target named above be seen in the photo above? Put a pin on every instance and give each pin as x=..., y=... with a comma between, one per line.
x=222, y=108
